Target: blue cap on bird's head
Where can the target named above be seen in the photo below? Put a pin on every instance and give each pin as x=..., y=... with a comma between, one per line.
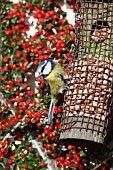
x=45, y=68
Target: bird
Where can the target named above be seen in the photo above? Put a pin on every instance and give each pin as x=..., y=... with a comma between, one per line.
x=53, y=74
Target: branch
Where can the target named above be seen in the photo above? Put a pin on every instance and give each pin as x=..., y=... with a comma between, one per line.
x=103, y=163
x=2, y=165
x=42, y=152
x=6, y=100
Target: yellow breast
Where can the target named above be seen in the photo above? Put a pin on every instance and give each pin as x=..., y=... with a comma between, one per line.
x=55, y=81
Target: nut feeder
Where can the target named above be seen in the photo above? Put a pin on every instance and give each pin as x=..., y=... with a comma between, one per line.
x=87, y=108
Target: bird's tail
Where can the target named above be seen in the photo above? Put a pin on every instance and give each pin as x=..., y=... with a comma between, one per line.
x=51, y=110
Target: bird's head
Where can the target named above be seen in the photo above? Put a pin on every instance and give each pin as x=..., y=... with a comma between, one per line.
x=45, y=68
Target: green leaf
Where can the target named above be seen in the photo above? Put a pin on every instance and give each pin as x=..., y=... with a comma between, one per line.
x=7, y=23
x=33, y=120
x=44, y=168
x=72, y=33
x=42, y=22
x=82, y=153
x=45, y=138
x=34, y=2
x=5, y=160
x=1, y=168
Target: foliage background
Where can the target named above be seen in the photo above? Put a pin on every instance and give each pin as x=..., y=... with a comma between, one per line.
x=26, y=142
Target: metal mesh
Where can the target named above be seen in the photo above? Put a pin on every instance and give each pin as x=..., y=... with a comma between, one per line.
x=88, y=100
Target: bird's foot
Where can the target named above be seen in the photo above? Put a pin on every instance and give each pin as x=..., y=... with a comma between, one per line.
x=62, y=90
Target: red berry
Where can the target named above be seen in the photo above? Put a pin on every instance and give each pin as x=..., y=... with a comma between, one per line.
x=16, y=28
x=1, y=127
x=78, y=22
x=5, y=68
x=53, y=148
x=81, y=167
x=25, y=166
x=28, y=5
x=79, y=148
x=70, y=147
x=11, y=84
x=39, y=32
x=66, y=31
x=25, y=85
x=50, y=135
x=66, y=69
x=3, y=78
x=54, y=17
x=50, y=127
x=13, y=43
x=8, y=31
x=28, y=49
x=22, y=154
x=13, y=99
x=71, y=27
x=19, y=139
x=10, y=161
x=57, y=121
x=37, y=119
x=61, y=159
x=72, y=6
x=30, y=148
x=40, y=136
x=2, y=150
x=6, y=105
x=18, y=5
x=42, y=164
x=5, y=59
x=30, y=115
x=41, y=57
x=20, y=98
x=47, y=146
x=103, y=168
x=66, y=163
x=12, y=66
x=22, y=14
x=54, y=155
x=23, y=19
x=46, y=57
x=7, y=124
x=46, y=132
x=26, y=121
x=18, y=80
x=18, y=54
x=71, y=38
x=76, y=163
x=36, y=62
x=36, y=50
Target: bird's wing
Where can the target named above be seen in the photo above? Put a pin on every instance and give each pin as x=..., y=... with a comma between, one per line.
x=51, y=111
x=47, y=86
x=64, y=82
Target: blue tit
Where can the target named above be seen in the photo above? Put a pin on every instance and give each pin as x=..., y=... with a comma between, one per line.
x=55, y=83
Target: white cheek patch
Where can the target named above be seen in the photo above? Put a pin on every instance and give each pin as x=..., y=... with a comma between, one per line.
x=47, y=69
x=36, y=74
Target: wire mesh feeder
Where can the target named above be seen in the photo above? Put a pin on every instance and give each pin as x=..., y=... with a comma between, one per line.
x=88, y=100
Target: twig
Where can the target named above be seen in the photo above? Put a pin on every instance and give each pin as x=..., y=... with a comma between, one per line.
x=39, y=148
x=103, y=163
x=5, y=100
x=2, y=165
x=30, y=64
x=42, y=152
